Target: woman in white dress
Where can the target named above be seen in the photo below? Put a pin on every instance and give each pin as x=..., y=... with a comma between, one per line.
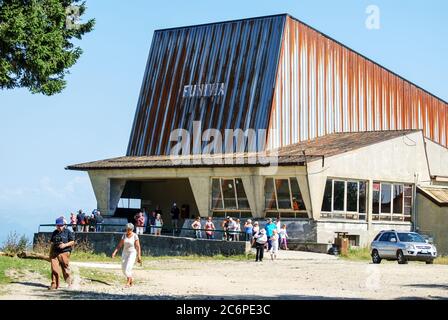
x=131, y=250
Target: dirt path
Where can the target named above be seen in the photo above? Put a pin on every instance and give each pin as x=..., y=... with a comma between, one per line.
x=295, y=275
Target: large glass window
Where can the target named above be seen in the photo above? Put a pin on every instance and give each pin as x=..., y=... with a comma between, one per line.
x=326, y=203
x=243, y=203
x=385, y=197
x=395, y=202
x=216, y=195
x=269, y=195
x=338, y=195
x=344, y=199
x=283, y=197
x=228, y=195
x=283, y=193
x=297, y=200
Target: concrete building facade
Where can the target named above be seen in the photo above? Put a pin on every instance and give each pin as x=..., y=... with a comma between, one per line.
x=349, y=142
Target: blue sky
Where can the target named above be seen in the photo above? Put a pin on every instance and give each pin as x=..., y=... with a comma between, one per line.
x=92, y=118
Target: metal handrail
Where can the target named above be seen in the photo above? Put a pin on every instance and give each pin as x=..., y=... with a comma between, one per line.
x=148, y=226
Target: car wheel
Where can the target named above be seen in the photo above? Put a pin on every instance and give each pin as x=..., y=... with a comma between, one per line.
x=401, y=258
x=376, y=257
x=430, y=262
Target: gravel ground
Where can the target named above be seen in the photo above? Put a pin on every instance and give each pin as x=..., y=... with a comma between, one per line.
x=294, y=275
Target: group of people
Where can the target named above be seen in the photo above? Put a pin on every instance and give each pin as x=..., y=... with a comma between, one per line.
x=153, y=223
x=83, y=222
x=272, y=237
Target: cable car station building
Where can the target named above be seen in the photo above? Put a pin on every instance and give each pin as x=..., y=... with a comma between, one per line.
x=327, y=139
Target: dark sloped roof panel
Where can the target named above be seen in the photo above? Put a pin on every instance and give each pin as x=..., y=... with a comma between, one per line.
x=220, y=74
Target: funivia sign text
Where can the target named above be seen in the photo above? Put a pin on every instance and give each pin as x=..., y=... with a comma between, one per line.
x=204, y=90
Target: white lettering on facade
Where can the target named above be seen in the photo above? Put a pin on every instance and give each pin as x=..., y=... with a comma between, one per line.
x=204, y=90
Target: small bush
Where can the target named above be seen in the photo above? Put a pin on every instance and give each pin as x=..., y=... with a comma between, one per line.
x=83, y=246
x=15, y=244
x=358, y=253
x=42, y=245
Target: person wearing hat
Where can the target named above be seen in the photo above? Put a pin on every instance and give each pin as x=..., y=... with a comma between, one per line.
x=62, y=241
x=131, y=250
x=260, y=240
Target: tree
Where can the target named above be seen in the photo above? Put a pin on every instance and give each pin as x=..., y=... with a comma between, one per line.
x=35, y=43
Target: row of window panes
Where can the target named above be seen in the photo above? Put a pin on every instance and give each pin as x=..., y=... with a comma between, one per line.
x=228, y=193
x=283, y=194
x=391, y=201
x=345, y=199
x=233, y=214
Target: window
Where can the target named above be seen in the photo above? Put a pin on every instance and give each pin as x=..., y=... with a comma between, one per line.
x=392, y=201
x=243, y=203
x=283, y=197
x=338, y=195
x=269, y=195
x=297, y=200
x=283, y=193
x=326, y=203
x=228, y=194
x=385, y=197
x=129, y=203
x=385, y=236
x=216, y=195
x=344, y=199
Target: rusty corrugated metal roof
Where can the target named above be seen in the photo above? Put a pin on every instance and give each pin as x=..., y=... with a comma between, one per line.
x=315, y=149
x=221, y=74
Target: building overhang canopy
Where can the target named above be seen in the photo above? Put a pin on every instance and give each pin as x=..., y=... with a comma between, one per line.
x=438, y=195
x=293, y=155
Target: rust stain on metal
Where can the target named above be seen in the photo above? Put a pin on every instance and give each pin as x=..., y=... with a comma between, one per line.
x=346, y=92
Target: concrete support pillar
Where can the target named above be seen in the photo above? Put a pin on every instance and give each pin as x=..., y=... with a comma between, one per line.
x=316, y=189
x=304, y=189
x=116, y=189
x=201, y=187
x=107, y=192
x=254, y=188
x=101, y=188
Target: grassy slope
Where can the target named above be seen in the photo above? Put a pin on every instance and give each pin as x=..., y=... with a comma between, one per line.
x=20, y=265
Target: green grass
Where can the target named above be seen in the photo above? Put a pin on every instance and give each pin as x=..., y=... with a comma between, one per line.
x=21, y=266
x=357, y=254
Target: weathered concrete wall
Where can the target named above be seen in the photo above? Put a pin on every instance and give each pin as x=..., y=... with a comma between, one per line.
x=432, y=220
x=161, y=245
x=326, y=230
x=402, y=159
x=437, y=158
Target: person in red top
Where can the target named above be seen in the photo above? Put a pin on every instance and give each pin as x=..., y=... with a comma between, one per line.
x=140, y=222
x=209, y=228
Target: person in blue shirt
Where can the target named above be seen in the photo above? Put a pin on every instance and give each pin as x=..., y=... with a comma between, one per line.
x=270, y=226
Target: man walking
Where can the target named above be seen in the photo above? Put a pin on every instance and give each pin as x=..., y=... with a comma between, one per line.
x=62, y=241
x=175, y=212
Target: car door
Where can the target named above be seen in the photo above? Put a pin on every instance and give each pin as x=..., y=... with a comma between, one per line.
x=391, y=247
x=382, y=244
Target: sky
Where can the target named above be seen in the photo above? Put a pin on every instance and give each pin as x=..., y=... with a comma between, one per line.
x=92, y=118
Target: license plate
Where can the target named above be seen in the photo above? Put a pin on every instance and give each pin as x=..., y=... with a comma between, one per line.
x=424, y=251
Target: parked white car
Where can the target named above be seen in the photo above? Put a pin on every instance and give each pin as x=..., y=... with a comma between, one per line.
x=402, y=246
